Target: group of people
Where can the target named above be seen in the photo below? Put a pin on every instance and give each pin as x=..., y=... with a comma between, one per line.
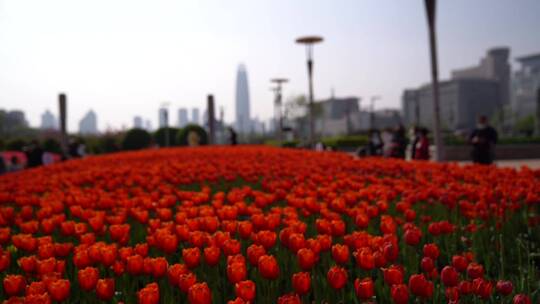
x=394, y=143
x=34, y=155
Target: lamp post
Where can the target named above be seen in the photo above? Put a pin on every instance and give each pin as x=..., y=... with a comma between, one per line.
x=277, y=105
x=372, y=111
x=430, y=12
x=309, y=41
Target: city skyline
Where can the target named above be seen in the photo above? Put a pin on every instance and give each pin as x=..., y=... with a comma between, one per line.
x=186, y=51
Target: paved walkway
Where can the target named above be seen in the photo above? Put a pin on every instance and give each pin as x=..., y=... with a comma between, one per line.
x=514, y=163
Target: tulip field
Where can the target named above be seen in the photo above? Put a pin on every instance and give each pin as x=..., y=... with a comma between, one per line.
x=268, y=225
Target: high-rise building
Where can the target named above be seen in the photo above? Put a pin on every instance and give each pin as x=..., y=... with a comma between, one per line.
x=88, y=124
x=48, y=121
x=494, y=66
x=163, y=118
x=148, y=125
x=138, y=122
x=525, y=86
x=243, y=120
x=195, y=116
x=182, y=117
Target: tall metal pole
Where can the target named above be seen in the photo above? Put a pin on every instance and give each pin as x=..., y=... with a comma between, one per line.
x=311, y=105
x=538, y=111
x=211, y=120
x=430, y=10
x=62, y=104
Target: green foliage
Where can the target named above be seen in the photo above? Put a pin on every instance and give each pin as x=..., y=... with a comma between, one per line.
x=525, y=125
x=161, y=134
x=136, y=139
x=352, y=141
x=183, y=137
x=52, y=145
x=2, y=145
x=16, y=144
x=107, y=143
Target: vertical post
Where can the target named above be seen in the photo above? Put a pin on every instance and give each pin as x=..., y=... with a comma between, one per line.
x=166, y=120
x=430, y=10
x=538, y=111
x=62, y=103
x=211, y=126
x=311, y=105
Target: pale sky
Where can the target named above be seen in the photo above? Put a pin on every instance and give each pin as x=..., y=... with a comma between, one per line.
x=123, y=58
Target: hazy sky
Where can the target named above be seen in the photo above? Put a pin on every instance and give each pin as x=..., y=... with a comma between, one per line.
x=125, y=57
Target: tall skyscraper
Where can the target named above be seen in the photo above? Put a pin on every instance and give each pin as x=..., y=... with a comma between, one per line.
x=138, y=122
x=182, y=117
x=48, y=121
x=88, y=124
x=195, y=116
x=163, y=118
x=243, y=121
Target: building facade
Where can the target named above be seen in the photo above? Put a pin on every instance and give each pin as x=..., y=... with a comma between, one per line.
x=183, y=118
x=138, y=122
x=163, y=118
x=48, y=121
x=243, y=119
x=195, y=116
x=88, y=124
x=525, y=86
x=461, y=101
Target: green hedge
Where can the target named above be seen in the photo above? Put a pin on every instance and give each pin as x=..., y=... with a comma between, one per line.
x=183, y=135
x=460, y=141
x=352, y=141
x=136, y=139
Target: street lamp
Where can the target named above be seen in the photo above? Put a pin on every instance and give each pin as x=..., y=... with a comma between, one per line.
x=309, y=41
x=372, y=111
x=277, y=105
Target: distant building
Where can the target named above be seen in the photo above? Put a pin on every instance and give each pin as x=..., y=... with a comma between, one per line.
x=182, y=117
x=243, y=119
x=138, y=122
x=525, y=85
x=461, y=102
x=11, y=121
x=88, y=124
x=340, y=116
x=48, y=121
x=163, y=118
x=195, y=116
x=148, y=125
x=494, y=66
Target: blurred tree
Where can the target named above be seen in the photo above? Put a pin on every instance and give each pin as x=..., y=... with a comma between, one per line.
x=52, y=145
x=16, y=144
x=136, y=139
x=160, y=136
x=192, y=135
x=526, y=125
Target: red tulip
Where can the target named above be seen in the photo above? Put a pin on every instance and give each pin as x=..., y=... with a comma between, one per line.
x=504, y=287
x=59, y=289
x=521, y=299
x=364, y=288
x=399, y=294
x=254, y=252
x=431, y=251
x=236, y=272
x=364, y=259
x=420, y=286
x=412, y=236
x=245, y=290
x=301, y=282
x=159, y=267
x=14, y=284
x=460, y=263
x=268, y=267
x=105, y=289
x=340, y=253
x=482, y=288
x=289, y=299
x=36, y=288
x=337, y=277
x=191, y=257
x=149, y=294
x=475, y=270
x=186, y=280
x=134, y=264
x=211, y=255
x=88, y=278
x=465, y=287
x=199, y=294
x=174, y=272
x=449, y=276
x=306, y=258
x=393, y=275
x=427, y=264
x=452, y=294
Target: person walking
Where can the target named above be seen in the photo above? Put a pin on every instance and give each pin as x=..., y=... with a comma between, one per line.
x=483, y=140
x=375, y=143
x=399, y=143
x=421, y=148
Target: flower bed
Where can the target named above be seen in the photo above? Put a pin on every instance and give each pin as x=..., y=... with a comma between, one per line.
x=267, y=225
